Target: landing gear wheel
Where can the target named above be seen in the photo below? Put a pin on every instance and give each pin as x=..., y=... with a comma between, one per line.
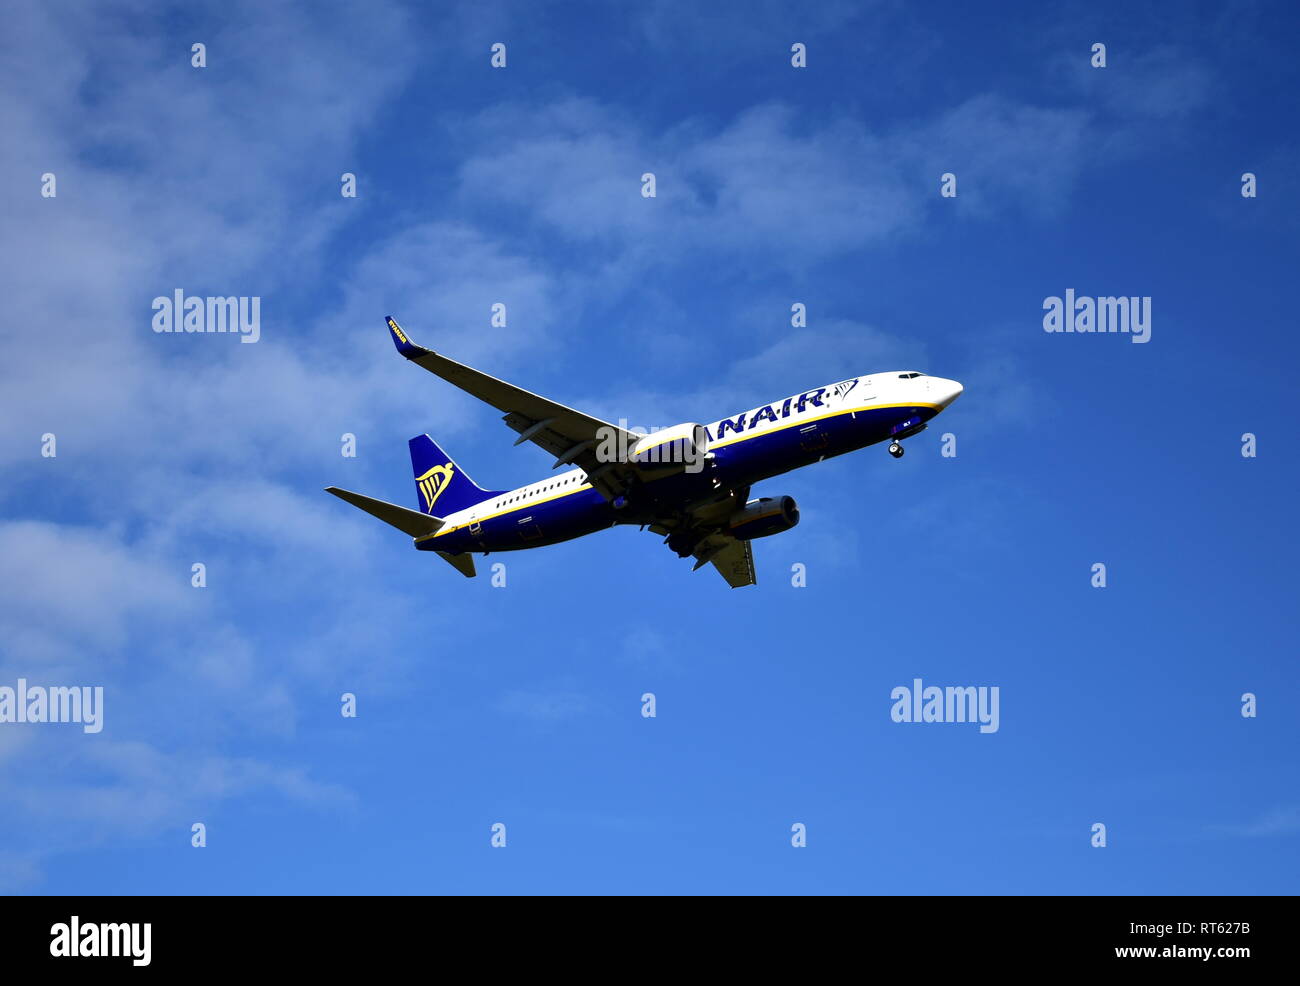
x=896, y=450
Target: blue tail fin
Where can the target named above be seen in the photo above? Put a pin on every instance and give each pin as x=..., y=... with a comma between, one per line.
x=441, y=485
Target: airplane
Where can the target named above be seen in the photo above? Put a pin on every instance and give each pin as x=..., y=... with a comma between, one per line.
x=689, y=484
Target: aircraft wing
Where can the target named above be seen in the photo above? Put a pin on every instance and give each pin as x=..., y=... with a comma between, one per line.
x=569, y=435
x=734, y=559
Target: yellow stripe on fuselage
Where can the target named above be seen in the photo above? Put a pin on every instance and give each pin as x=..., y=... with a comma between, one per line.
x=501, y=513
x=807, y=421
x=712, y=445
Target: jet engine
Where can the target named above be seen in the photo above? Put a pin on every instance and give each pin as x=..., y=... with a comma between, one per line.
x=763, y=517
x=685, y=444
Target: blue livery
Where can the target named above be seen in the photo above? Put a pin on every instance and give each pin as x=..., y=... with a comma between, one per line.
x=690, y=483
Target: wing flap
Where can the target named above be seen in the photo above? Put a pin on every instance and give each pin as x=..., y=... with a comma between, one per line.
x=550, y=437
x=733, y=558
x=565, y=433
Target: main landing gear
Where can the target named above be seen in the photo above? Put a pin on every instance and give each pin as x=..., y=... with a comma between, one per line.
x=896, y=450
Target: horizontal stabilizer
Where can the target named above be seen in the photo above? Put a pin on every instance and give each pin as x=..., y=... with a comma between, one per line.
x=462, y=563
x=411, y=522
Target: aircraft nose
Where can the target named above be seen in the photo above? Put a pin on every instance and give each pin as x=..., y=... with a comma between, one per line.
x=945, y=391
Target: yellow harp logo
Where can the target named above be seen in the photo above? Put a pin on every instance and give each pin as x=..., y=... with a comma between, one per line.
x=433, y=483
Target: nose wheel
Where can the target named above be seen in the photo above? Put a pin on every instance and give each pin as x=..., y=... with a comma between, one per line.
x=896, y=450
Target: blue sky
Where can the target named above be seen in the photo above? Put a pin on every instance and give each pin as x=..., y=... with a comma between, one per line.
x=521, y=704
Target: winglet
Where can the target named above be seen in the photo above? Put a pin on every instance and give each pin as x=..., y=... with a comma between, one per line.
x=404, y=345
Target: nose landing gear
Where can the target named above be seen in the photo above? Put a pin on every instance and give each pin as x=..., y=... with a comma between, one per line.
x=896, y=450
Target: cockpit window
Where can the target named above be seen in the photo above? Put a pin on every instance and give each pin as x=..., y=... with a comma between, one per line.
x=909, y=376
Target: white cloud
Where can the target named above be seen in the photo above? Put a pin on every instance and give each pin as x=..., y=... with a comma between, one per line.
x=182, y=449
x=173, y=450
x=1284, y=820
x=68, y=590
x=543, y=706
x=768, y=182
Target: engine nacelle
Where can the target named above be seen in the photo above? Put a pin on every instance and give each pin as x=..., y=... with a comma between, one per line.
x=682, y=446
x=763, y=517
